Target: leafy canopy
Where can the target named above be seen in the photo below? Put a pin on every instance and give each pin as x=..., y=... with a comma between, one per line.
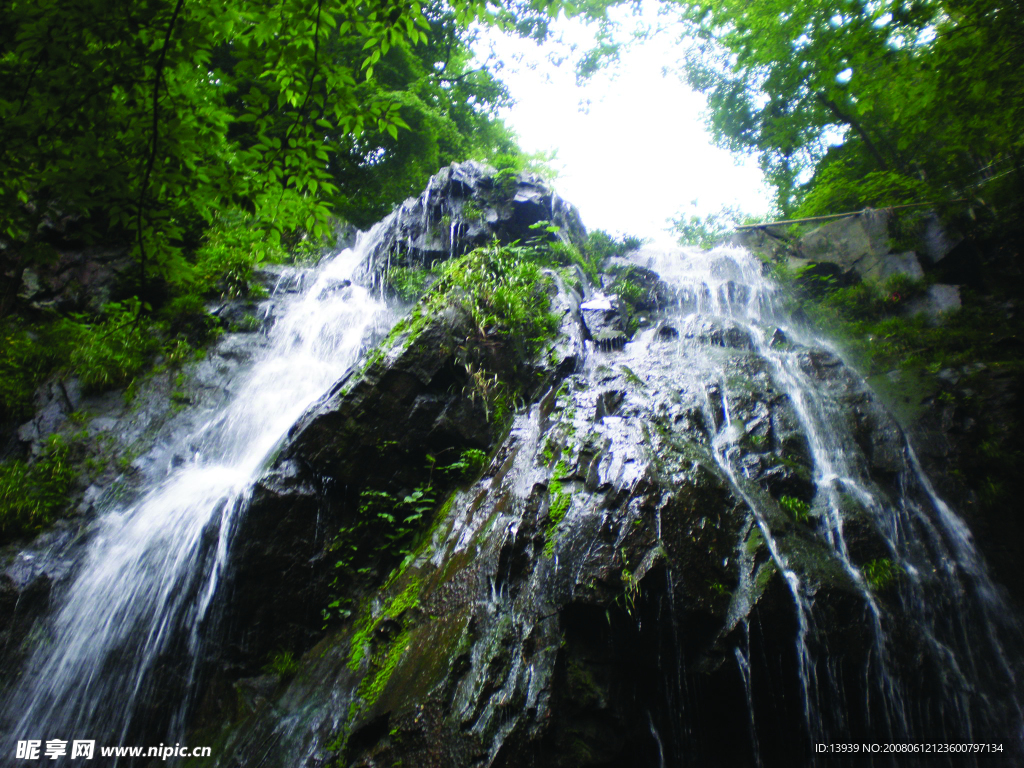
x=146, y=121
x=851, y=103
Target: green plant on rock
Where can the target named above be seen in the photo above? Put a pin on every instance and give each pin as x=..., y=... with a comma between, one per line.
x=630, y=588
x=282, y=663
x=33, y=494
x=627, y=290
x=798, y=509
x=880, y=574
x=601, y=246
x=718, y=588
x=409, y=283
x=469, y=464
x=555, y=252
x=471, y=211
x=505, y=291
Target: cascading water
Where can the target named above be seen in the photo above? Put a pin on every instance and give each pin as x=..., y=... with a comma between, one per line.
x=711, y=547
x=141, y=601
x=946, y=600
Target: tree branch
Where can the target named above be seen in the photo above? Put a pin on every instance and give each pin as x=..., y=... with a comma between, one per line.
x=157, y=78
x=853, y=123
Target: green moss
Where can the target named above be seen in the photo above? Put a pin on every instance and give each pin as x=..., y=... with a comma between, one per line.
x=764, y=575
x=382, y=669
x=631, y=377
x=405, y=600
x=755, y=541
x=583, y=687
x=559, y=502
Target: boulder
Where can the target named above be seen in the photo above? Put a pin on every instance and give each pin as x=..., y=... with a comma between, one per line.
x=937, y=300
x=467, y=205
x=858, y=244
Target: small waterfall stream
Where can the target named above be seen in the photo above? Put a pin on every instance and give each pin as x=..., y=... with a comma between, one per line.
x=142, y=597
x=946, y=599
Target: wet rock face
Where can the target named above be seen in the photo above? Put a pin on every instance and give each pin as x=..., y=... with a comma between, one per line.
x=382, y=434
x=119, y=448
x=608, y=592
x=468, y=205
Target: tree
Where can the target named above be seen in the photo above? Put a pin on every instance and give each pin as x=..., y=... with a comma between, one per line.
x=850, y=103
x=144, y=121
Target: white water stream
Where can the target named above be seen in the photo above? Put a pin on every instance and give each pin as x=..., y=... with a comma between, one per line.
x=145, y=590
x=146, y=586
x=945, y=593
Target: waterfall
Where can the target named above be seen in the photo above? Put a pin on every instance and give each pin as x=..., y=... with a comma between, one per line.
x=141, y=601
x=711, y=545
x=946, y=601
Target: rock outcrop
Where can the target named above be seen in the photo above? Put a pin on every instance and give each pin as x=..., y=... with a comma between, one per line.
x=861, y=247
x=645, y=572
x=468, y=205
x=666, y=528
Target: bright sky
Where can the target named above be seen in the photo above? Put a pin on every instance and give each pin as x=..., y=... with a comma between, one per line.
x=632, y=146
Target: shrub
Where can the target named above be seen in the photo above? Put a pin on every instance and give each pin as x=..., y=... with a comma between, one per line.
x=32, y=494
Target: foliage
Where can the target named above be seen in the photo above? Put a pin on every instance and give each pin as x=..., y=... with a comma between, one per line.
x=709, y=230
x=469, y=464
x=504, y=290
x=880, y=574
x=833, y=192
x=408, y=283
x=872, y=323
x=388, y=526
x=146, y=122
x=282, y=663
x=798, y=509
x=32, y=494
x=552, y=251
x=27, y=357
x=627, y=290
x=601, y=246
x=102, y=352
x=108, y=353
x=232, y=246
x=511, y=163
x=856, y=103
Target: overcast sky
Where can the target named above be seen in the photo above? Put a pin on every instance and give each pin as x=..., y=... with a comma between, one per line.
x=637, y=152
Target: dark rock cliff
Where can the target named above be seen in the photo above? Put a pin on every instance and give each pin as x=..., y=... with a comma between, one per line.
x=609, y=590
x=667, y=535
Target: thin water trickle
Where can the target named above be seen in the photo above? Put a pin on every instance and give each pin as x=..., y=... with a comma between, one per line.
x=743, y=663
x=142, y=598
